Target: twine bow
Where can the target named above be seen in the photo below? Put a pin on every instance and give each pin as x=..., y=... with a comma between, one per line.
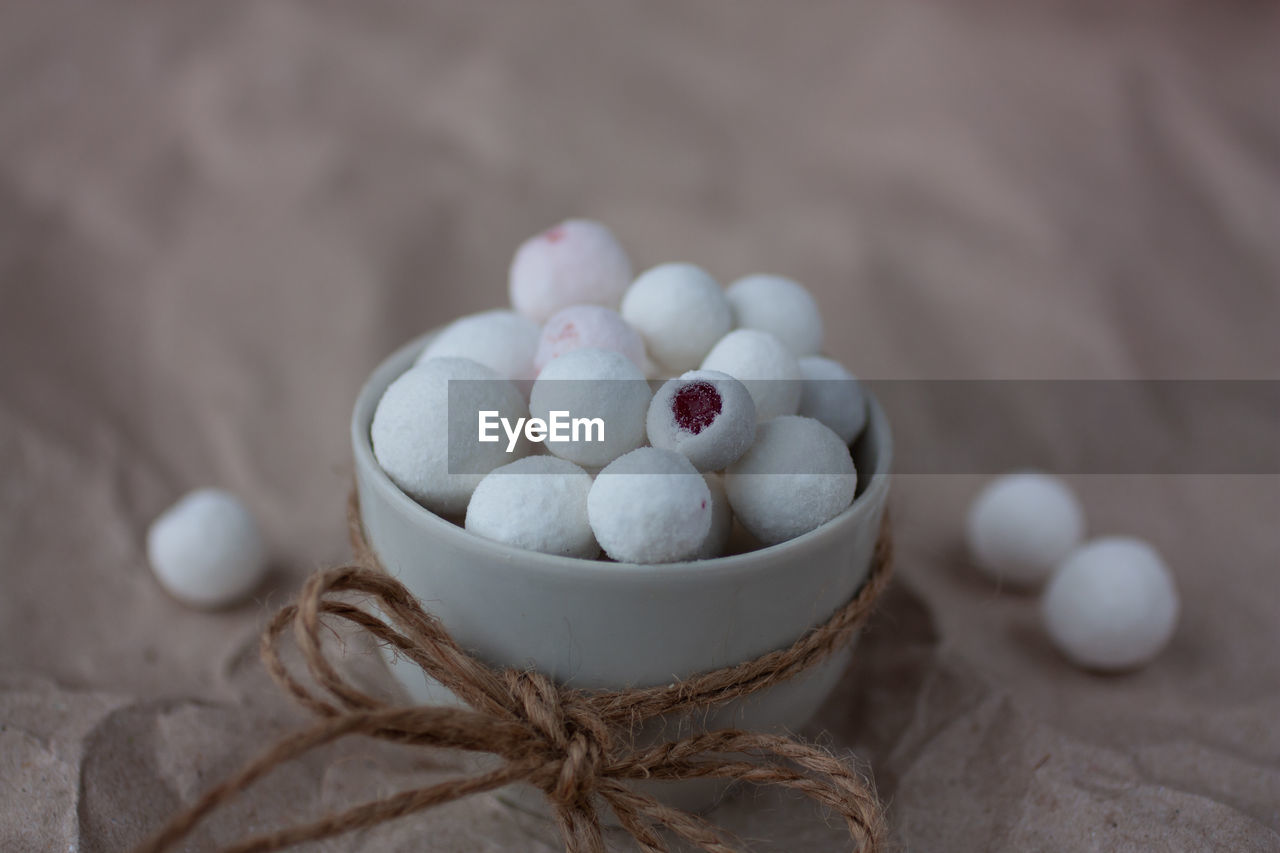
x=574, y=745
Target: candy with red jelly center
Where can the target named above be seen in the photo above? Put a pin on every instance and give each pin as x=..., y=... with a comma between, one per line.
x=705, y=415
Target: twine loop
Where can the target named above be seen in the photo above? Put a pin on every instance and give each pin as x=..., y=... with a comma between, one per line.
x=576, y=746
x=576, y=739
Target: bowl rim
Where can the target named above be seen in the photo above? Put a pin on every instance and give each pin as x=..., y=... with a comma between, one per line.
x=862, y=510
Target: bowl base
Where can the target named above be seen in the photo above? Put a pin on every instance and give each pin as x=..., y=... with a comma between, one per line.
x=782, y=709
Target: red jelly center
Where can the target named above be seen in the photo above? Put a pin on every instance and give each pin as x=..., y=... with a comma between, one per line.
x=554, y=235
x=695, y=406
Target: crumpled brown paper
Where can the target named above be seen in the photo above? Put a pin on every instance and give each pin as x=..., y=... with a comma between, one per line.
x=216, y=218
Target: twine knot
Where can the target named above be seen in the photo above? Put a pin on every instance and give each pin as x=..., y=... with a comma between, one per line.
x=576, y=738
x=575, y=746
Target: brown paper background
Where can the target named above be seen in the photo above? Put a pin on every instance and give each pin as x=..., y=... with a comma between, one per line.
x=215, y=218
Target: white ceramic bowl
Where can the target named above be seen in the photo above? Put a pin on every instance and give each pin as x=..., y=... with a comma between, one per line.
x=612, y=625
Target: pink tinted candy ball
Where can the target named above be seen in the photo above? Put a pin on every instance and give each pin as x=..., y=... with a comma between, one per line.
x=704, y=415
x=578, y=262
x=588, y=327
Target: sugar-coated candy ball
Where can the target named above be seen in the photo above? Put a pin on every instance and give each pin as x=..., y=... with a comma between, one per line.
x=588, y=327
x=832, y=394
x=762, y=363
x=1111, y=605
x=1021, y=526
x=501, y=340
x=426, y=438
x=578, y=262
x=779, y=306
x=538, y=503
x=717, y=541
x=797, y=476
x=650, y=506
x=704, y=415
x=206, y=550
x=589, y=384
x=680, y=311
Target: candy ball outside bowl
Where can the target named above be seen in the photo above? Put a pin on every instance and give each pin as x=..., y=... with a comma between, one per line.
x=597, y=624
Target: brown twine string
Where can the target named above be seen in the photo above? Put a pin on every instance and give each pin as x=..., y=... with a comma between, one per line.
x=572, y=744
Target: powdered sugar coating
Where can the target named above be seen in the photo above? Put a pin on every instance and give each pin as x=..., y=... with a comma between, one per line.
x=588, y=327
x=680, y=311
x=797, y=476
x=650, y=506
x=833, y=395
x=578, y=262
x=538, y=503
x=413, y=439
x=1111, y=605
x=594, y=383
x=780, y=306
x=704, y=415
x=207, y=550
x=501, y=340
x=1021, y=526
x=717, y=541
x=762, y=363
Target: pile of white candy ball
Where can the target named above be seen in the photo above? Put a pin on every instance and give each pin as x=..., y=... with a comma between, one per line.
x=716, y=402
x=1109, y=605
